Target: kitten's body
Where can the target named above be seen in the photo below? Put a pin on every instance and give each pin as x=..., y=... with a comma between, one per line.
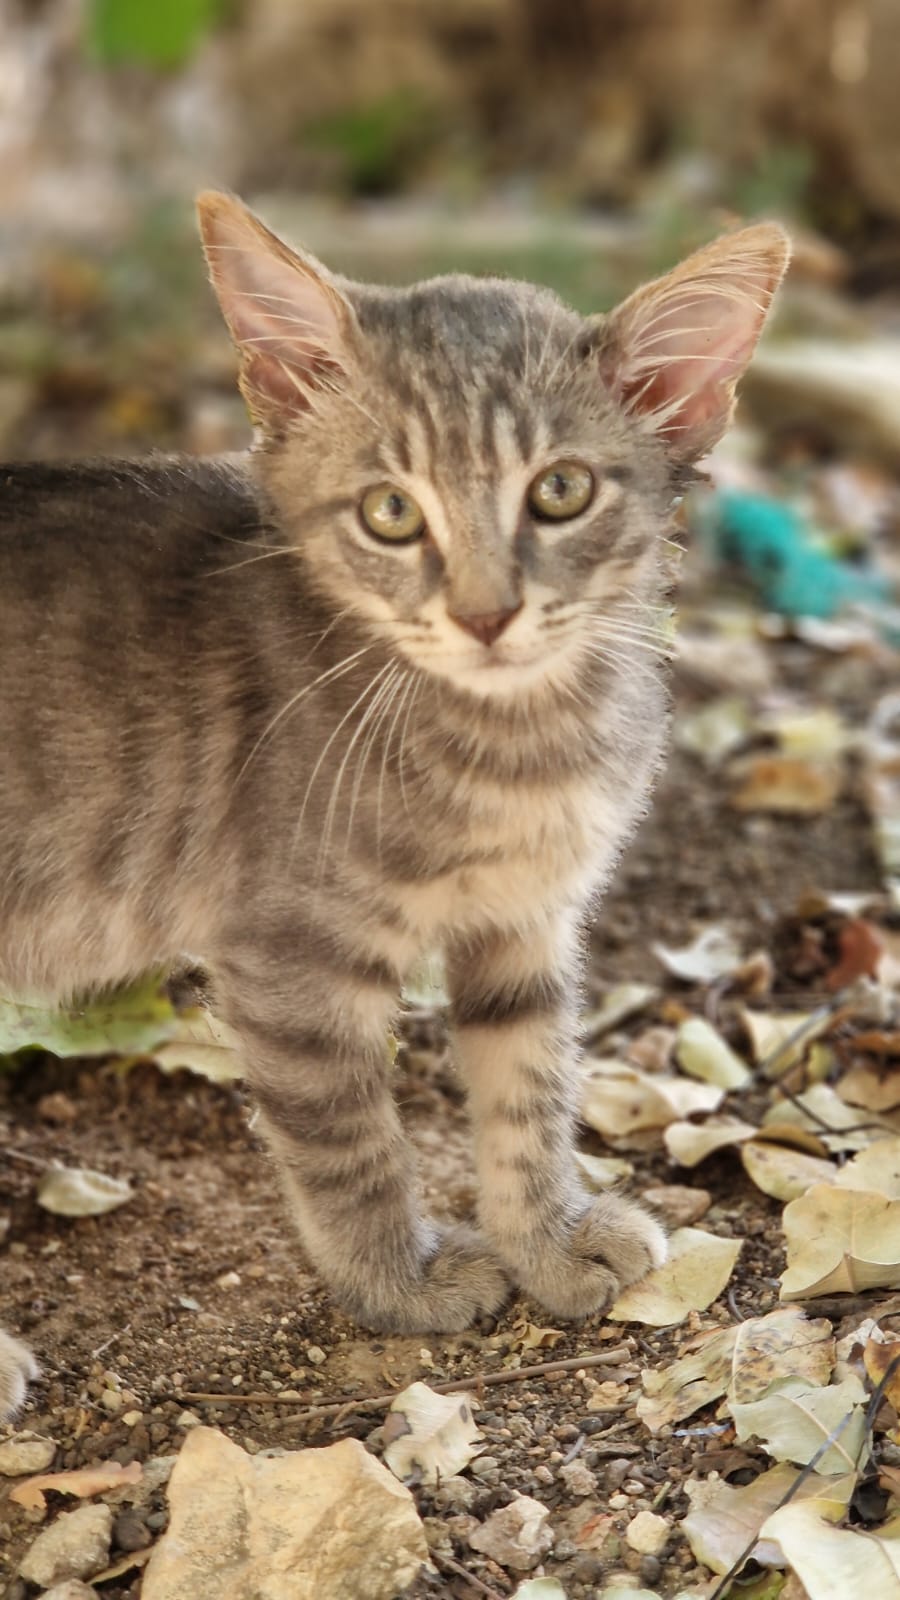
x=242, y=727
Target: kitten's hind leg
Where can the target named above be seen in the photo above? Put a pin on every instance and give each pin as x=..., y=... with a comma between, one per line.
x=17, y=1369
x=515, y=1006
x=316, y=1035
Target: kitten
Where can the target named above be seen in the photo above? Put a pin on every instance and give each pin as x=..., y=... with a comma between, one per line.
x=390, y=682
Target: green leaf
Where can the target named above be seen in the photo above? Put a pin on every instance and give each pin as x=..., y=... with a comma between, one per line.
x=157, y=33
x=130, y=1022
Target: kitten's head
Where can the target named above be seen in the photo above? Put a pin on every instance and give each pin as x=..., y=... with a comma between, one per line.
x=479, y=472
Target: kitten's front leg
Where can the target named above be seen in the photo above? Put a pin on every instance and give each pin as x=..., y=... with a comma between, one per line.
x=17, y=1369
x=515, y=1010
x=316, y=1036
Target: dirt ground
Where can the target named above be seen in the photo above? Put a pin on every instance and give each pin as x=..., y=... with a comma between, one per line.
x=197, y=1287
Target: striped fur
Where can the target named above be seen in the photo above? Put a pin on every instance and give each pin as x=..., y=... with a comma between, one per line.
x=236, y=725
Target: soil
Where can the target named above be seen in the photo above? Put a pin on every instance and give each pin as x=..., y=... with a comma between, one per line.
x=197, y=1287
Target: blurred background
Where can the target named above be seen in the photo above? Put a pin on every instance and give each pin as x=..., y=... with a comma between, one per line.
x=587, y=144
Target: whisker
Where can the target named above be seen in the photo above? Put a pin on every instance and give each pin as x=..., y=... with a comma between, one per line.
x=290, y=705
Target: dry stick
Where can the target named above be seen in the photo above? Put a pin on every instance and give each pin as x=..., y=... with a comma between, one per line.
x=460, y=1571
x=376, y=1402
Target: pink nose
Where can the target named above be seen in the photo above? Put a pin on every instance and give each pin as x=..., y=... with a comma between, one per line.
x=486, y=625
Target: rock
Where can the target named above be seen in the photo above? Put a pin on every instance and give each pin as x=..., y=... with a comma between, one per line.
x=578, y=1478
x=72, y=1589
x=76, y=1545
x=130, y=1532
x=647, y=1533
x=24, y=1453
x=298, y=1526
x=516, y=1535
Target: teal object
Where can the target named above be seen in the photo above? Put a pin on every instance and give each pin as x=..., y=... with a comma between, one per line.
x=770, y=541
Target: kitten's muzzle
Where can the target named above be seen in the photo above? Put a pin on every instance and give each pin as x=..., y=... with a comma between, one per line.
x=486, y=626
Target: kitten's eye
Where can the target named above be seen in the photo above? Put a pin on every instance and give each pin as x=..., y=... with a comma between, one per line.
x=391, y=515
x=561, y=492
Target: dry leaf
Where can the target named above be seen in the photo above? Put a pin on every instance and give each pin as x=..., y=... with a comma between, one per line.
x=429, y=1436
x=714, y=731
x=793, y=1420
x=602, y=1172
x=622, y=1001
x=712, y=955
x=822, y=1112
x=782, y=1172
x=784, y=784
x=840, y=1241
x=741, y=1361
x=861, y=949
x=701, y=1051
x=878, y=1355
x=723, y=1520
x=780, y=1039
x=696, y=1272
x=875, y=1088
x=528, y=1336
x=618, y=1100
x=876, y=1169
x=837, y=1563
x=82, y=1481
x=689, y=1143
x=78, y=1192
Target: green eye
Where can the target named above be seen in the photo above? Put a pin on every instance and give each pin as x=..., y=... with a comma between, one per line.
x=391, y=515
x=561, y=492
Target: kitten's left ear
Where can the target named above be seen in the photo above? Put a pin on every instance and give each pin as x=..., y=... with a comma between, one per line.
x=674, y=350
x=292, y=326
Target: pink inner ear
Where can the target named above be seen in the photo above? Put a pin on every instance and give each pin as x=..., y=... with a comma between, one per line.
x=686, y=358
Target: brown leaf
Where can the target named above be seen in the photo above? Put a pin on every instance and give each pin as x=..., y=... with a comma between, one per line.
x=82, y=1481
x=784, y=784
x=861, y=950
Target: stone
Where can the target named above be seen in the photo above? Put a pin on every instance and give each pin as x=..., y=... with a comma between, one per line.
x=25, y=1453
x=516, y=1535
x=647, y=1533
x=578, y=1478
x=76, y=1545
x=298, y=1526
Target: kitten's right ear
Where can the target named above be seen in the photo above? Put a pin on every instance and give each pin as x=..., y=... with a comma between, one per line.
x=290, y=322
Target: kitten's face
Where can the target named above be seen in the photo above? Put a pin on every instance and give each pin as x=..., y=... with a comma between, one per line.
x=476, y=495
x=478, y=472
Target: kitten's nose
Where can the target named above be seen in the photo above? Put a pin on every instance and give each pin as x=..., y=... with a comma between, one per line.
x=486, y=625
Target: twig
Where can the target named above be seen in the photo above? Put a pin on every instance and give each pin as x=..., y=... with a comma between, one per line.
x=21, y=1155
x=378, y=1402
x=110, y=1341
x=576, y=1450
x=460, y=1571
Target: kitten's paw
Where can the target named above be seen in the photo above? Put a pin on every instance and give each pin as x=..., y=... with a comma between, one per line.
x=17, y=1368
x=461, y=1281
x=613, y=1244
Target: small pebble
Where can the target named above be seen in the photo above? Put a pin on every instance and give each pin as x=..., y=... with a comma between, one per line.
x=650, y=1569
x=619, y=1502
x=315, y=1355
x=130, y=1532
x=578, y=1478
x=25, y=1453
x=543, y=1474
x=647, y=1533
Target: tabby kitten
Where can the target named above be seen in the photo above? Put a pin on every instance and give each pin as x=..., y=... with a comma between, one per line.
x=392, y=681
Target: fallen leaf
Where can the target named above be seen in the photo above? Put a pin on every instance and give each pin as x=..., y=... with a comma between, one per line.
x=714, y=731
x=783, y=1172
x=702, y=1052
x=79, y=1192
x=824, y=1113
x=876, y=1169
x=128, y=1022
x=740, y=1361
x=712, y=955
x=840, y=1241
x=874, y=1088
x=724, y=1520
x=837, y=1563
x=429, y=1436
x=202, y=1044
x=82, y=1481
x=696, y=1272
x=619, y=1003
x=528, y=1336
x=679, y=1205
x=784, y=784
x=879, y=1355
x=689, y=1143
x=861, y=950
x=780, y=1039
x=793, y=1420
x=819, y=734
x=619, y=1100
x=602, y=1172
